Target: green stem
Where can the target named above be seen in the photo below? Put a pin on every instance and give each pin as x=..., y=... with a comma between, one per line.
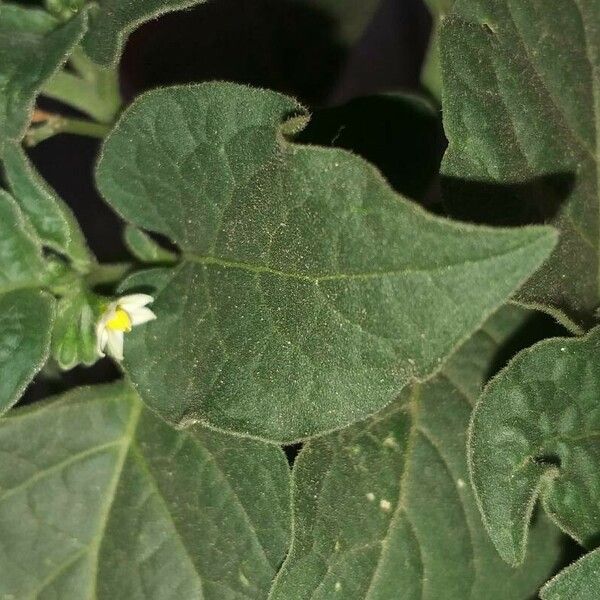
x=56, y=124
x=84, y=65
x=83, y=95
x=107, y=273
x=91, y=89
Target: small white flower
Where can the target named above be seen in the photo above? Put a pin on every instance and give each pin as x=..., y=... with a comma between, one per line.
x=118, y=318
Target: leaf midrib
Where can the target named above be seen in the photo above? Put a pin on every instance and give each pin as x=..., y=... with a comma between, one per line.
x=127, y=440
x=317, y=278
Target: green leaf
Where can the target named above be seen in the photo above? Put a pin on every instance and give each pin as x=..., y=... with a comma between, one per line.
x=386, y=505
x=74, y=335
x=398, y=133
x=579, y=581
x=144, y=248
x=63, y=9
x=308, y=293
x=33, y=46
x=535, y=433
x=21, y=261
x=99, y=498
x=52, y=219
x=521, y=104
x=25, y=322
x=111, y=22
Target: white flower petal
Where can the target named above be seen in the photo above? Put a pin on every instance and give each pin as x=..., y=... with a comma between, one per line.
x=141, y=315
x=101, y=340
x=115, y=344
x=101, y=334
x=133, y=301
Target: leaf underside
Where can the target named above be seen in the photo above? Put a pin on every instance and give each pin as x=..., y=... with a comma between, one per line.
x=308, y=292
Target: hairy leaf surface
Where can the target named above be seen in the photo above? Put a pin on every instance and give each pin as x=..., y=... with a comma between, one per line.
x=25, y=323
x=535, y=433
x=52, y=219
x=578, y=581
x=308, y=293
x=74, y=332
x=522, y=106
x=101, y=499
x=144, y=248
x=21, y=261
x=384, y=509
x=33, y=45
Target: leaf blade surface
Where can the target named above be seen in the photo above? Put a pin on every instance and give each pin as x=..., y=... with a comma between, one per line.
x=97, y=494
x=386, y=505
x=534, y=433
x=307, y=287
x=33, y=45
x=521, y=105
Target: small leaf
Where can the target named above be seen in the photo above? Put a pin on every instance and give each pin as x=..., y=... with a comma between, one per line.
x=33, y=46
x=74, y=335
x=521, y=104
x=535, y=432
x=52, y=219
x=386, y=505
x=111, y=22
x=579, y=581
x=99, y=498
x=308, y=293
x=21, y=261
x=144, y=248
x=25, y=323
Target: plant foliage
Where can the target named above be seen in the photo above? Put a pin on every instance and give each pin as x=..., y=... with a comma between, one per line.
x=297, y=288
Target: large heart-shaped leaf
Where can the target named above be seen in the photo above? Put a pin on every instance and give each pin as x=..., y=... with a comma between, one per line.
x=578, y=581
x=26, y=318
x=521, y=105
x=33, y=46
x=535, y=432
x=52, y=219
x=384, y=509
x=111, y=22
x=99, y=498
x=308, y=292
